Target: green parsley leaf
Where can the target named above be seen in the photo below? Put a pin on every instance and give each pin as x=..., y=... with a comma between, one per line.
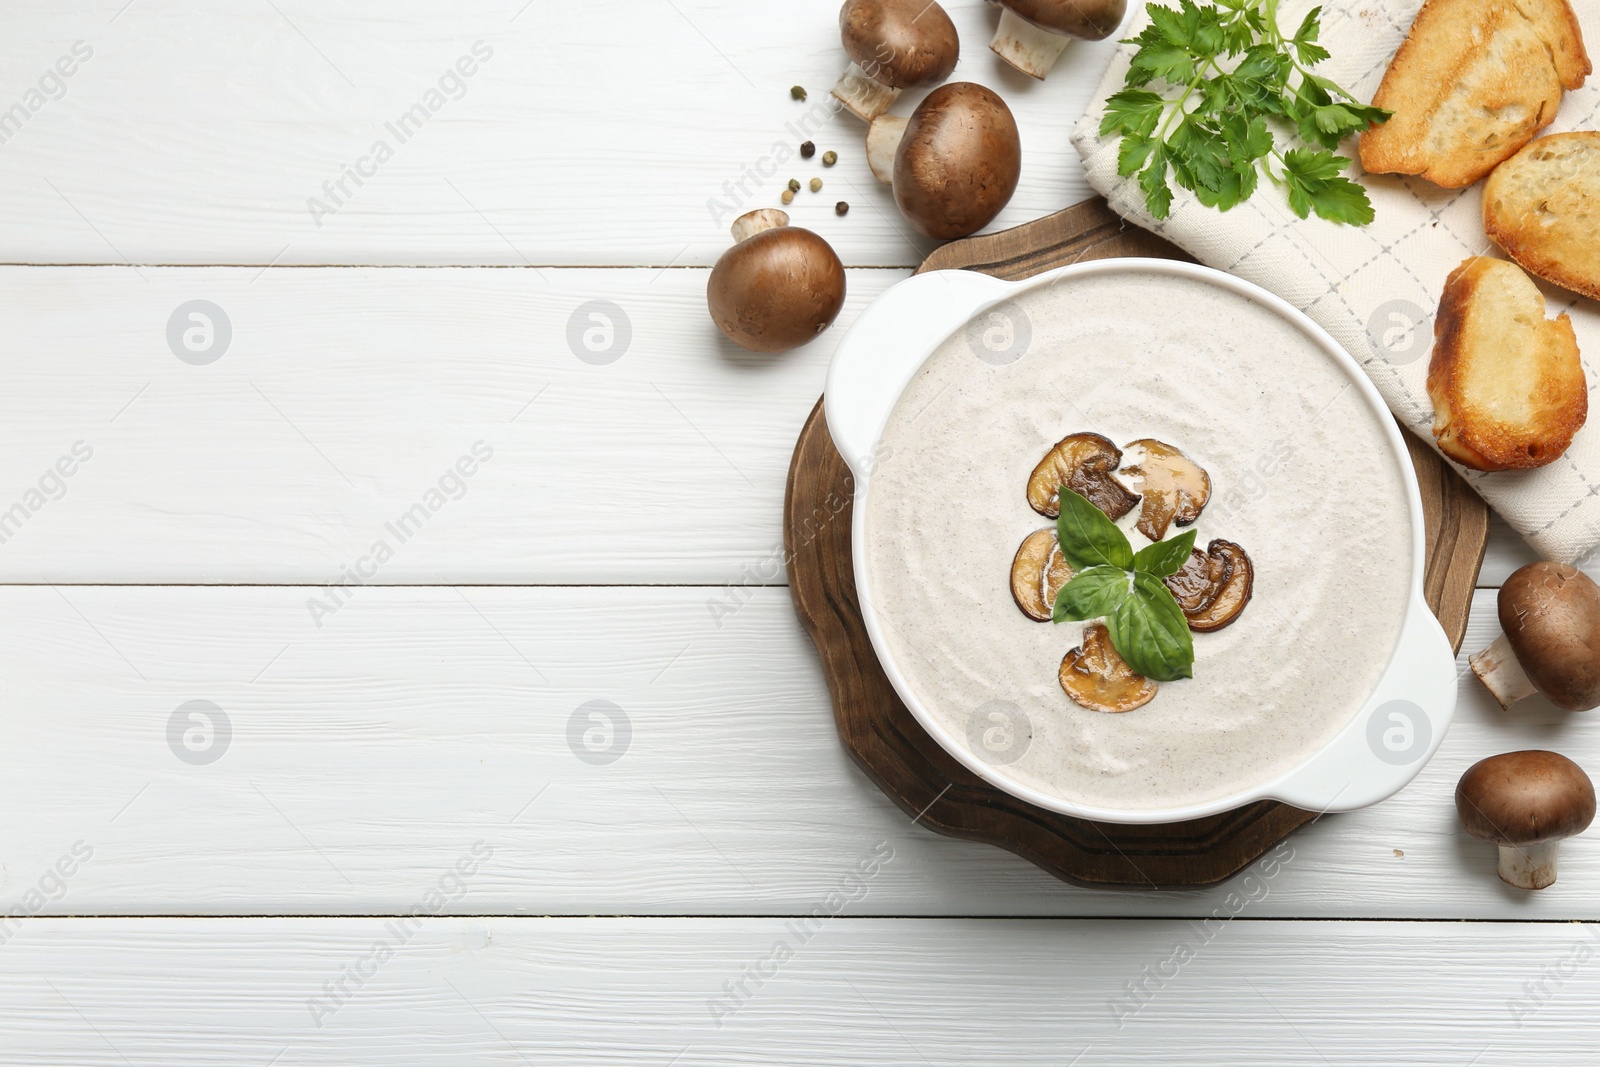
x=1314, y=184
x=1132, y=112
x=1342, y=200
x=1165, y=60
x=1305, y=39
x=1313, y=166
x=1087, y=538
x=1172, y=27
x=1164, y=558
x=1206, y=77
x=1091, y=594
x=1153, y=180
x=1133, y=155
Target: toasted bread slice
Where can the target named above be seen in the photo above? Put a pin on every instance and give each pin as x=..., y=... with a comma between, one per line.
x=1543, y=207
x=1507, y=385
x=1474, y=82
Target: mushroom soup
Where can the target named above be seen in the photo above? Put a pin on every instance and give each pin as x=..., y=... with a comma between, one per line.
x=1302, y=474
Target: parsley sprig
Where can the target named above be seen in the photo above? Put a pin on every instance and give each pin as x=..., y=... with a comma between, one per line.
x=1112, y=581
x=1210, y=127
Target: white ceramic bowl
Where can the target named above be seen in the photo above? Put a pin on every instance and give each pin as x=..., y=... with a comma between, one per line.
x=1393, y=733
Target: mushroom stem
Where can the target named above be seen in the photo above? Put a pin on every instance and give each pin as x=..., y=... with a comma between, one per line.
x=1497, y=668
x=1528, y=866
x=751, y=223
x=862, y=97
x=883, y=141
x=1031, y=49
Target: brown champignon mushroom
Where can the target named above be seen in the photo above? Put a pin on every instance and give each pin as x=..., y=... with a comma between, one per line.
x=1033, y=33
x=1526, y=803
x=1237, y=588
x=892, y=45
x=1175, y=488
x=777, y=287
x=1094, y=676
x=955, y=161
x=1550, y=613
x=1037, y=574
x=1082, y=462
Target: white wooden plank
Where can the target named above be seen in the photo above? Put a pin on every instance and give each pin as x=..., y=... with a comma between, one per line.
x=415, y=721
x=589, y=135
x=343, y=397
x=1507, y=551
x=654, y=992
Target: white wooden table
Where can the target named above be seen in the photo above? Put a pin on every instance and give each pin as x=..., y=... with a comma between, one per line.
x=237, y=888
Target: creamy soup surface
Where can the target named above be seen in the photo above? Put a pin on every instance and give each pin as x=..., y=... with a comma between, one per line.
x=1303, y=477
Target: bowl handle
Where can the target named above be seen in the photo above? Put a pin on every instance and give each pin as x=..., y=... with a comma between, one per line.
x=1396, y=732
x=887, y=344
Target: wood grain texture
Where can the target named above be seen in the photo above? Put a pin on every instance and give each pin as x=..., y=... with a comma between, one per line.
x=845, y=992
x=1457, y=537
x=910, y=766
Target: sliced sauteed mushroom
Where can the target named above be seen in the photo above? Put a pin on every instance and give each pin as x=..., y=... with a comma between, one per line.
x=1082, y=462
x=1199, y=582
x=1096, y=677
x=1234, y=594
x=892, y=45
x=1037, y=574
x=1175, y=488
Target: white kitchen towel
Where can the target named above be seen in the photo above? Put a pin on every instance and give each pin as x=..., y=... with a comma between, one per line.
x=1376, y=288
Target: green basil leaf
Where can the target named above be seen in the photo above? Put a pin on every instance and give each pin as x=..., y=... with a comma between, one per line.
x=1164, y=558
x=1148, y=630
x=1091, y=594
x=1087, y=537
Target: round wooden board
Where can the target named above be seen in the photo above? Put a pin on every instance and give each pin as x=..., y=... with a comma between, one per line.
x=923, y=779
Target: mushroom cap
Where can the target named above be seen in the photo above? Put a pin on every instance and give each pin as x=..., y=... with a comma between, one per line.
x=1089, y=20
x=776, y=290
x=900, y=43
x=1524, y=798
x=958, y=162
x=1550, y=613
